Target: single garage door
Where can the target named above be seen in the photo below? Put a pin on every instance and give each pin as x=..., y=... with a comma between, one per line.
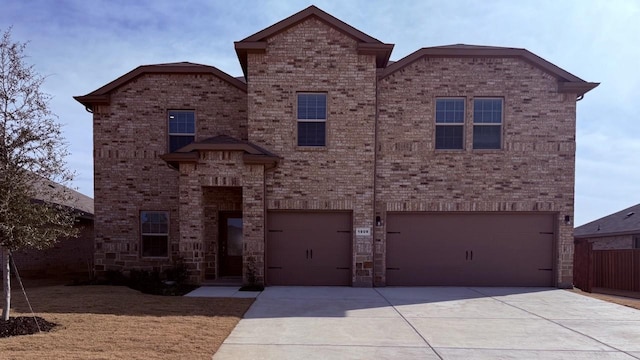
x=308, y=248
x=470, y=249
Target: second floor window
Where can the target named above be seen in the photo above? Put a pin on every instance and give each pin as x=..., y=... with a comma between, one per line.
x=182, y=128
x=449, y=123
x=312, y=119
x=487, y=123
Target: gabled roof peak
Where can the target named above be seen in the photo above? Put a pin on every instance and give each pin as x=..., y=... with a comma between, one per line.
x=567, y=82
x=101, y=95
x=366, y=44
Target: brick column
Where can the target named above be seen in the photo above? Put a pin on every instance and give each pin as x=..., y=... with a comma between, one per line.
x=191, y=212
x=253, y=213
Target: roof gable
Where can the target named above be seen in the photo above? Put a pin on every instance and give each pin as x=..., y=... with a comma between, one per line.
x=623, y=222
x=102, y=95
x=567, y=82
x=366, y=44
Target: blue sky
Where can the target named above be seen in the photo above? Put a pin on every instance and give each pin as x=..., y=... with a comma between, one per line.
x=81, y=45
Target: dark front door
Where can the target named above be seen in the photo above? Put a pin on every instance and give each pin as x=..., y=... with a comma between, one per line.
x=230, y=244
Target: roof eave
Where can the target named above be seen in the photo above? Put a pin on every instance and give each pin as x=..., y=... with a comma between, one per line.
x=578, y=88
x=244, y=48
x=381, y=51
x=607, y=234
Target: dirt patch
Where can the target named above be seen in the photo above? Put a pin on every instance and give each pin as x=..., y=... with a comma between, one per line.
x=24, y=325
x=620, y=300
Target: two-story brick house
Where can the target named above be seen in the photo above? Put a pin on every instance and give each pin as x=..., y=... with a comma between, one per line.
x=328, y=164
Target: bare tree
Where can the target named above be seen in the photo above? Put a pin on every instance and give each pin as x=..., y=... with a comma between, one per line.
x=34, y=212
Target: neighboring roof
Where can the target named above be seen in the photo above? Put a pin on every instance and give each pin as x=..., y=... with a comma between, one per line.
x=46, y=190
x=254, y=154
x=567, y=82
x=101, y=95
x=623, y=222
x=366, y=43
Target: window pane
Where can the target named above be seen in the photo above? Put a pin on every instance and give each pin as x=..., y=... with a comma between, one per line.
x=449, y=137
x=176, y=142
x=486, y=136
x=155, y=228
x=312, y=106
x=450, y=111
x=311, y=133
x=155, y=245
x=487, y=111
x=182, y=122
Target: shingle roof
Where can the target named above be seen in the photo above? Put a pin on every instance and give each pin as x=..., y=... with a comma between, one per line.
x=253, y=154
x=49, y=191
x=623, y=222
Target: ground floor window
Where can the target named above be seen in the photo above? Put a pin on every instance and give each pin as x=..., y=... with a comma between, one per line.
x=154, y=231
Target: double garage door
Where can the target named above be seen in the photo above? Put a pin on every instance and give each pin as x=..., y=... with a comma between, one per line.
x=470, y=249
x=308, y=248
x=423, y=249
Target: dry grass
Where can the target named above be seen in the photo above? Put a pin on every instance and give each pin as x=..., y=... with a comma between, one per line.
x=113, y=322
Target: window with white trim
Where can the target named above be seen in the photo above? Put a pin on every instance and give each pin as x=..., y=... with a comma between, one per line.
x=487, y=123
x=154, y=233
x=182, y=128
x=450, y=123
x=312, y=119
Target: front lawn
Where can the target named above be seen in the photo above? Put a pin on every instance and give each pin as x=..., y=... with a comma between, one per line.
x=115, y=322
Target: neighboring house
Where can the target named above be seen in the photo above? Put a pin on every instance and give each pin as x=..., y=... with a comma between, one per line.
x=69, y=256
x=330, y=165
x=620, y=230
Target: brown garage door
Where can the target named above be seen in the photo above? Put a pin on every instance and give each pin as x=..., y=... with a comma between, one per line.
x=470, y=249
x=305, y=248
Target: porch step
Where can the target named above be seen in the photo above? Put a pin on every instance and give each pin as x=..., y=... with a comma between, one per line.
x=224, y=281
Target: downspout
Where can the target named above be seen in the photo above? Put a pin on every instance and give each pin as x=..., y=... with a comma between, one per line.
x=375, y=176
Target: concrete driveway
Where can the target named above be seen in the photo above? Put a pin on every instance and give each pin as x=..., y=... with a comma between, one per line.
x=432, y=323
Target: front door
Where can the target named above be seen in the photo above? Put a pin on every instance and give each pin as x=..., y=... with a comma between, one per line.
x=230, y=244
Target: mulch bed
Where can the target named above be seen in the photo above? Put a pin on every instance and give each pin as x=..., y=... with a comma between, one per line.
x=24, y=325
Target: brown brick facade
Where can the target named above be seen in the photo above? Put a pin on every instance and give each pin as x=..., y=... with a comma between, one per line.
x=72, y=256
x=526, y=175
x=340, y=175
x=379, y=156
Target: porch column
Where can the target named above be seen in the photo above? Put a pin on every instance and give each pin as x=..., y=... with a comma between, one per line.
x=253, y=213
x=191, y=222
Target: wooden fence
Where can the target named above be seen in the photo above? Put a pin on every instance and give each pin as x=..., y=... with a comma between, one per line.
x=617, y=270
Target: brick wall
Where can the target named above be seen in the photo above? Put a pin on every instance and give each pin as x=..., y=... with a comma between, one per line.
x=129, y=136
x=72, y=256
x=612, y=242
x=314, y=57
x=533, y=172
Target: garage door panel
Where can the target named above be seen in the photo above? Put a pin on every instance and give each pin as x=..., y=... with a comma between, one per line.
x=309, y=248
x=470, y=249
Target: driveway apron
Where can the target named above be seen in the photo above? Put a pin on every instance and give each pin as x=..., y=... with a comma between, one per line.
x=432, y=323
